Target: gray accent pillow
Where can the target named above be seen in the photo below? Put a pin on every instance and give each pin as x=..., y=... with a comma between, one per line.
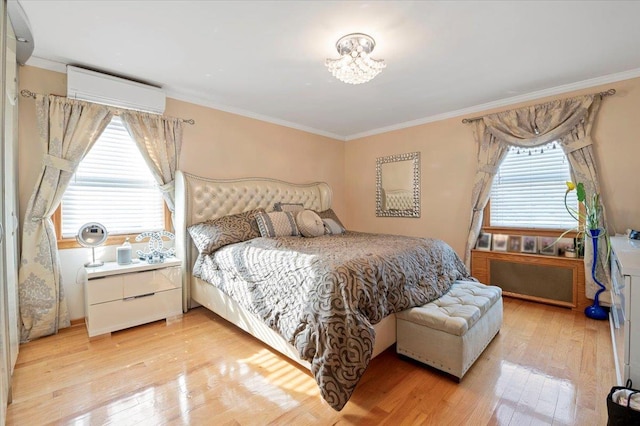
x=331, y=227
x=211, y=235
x=277, y=224
x=330, y=214
x=309, y=223
x=288, y=207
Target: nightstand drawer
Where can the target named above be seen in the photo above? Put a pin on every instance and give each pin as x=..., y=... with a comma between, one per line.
x=120, y=314
x=148, y=282
x=121, y=296
x=104, y=289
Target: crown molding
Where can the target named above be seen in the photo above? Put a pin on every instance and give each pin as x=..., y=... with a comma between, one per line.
x=47, y=64
x=194, y=99
x=610, y=78
x=186, y=97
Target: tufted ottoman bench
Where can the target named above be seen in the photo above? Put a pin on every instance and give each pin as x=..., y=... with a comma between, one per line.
x=451, y=332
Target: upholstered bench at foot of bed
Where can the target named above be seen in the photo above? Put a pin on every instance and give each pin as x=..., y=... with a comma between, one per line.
x=451, y=332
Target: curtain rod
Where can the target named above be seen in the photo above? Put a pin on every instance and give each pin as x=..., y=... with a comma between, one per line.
x=29, y=94
x=609, y=92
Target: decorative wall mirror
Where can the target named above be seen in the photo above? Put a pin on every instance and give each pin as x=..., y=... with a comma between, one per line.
x=92, y=235
x=398, y=185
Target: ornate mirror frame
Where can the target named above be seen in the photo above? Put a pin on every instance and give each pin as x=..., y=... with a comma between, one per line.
x=414, y=158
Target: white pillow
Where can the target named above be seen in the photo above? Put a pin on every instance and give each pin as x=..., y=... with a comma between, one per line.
x=309, y=223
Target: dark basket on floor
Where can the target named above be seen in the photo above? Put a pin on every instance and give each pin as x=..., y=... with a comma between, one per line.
x=619, y=415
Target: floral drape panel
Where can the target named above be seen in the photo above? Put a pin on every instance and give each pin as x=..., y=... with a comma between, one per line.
x=159, y=140
x=568, y=121
x=68, y=129
x=490, y=154
x=578, y=146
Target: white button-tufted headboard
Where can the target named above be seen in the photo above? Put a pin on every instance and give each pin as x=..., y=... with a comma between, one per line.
x=199, y=199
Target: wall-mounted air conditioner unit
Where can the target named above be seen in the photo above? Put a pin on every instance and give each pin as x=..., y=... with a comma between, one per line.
x=105, y=89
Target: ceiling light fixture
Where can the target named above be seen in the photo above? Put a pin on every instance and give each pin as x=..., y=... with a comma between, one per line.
x=355, y=66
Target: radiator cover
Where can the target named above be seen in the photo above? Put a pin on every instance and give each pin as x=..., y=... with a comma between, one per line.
x=535, y=280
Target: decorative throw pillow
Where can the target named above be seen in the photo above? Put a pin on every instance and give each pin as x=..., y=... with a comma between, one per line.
x=332, y=227
x=277, y=224
x=211, y=235
x=309, y=223
x=330, y=214
x=288, y=207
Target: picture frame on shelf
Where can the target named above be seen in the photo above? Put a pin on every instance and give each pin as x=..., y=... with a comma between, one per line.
x=500, y=242
x=514, y=243
x=563, y=244
x=547, y=246
x=529, y=244
x=484, y=242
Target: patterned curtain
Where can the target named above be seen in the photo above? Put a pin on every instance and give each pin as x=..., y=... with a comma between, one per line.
x=578, y=146
x=491, y=152
x=568, y=121
x=159, y=140
x=68, y=129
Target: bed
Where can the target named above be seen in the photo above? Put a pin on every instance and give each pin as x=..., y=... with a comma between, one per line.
x=361, y=332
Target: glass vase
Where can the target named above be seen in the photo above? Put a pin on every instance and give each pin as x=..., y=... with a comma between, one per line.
x=596, y=311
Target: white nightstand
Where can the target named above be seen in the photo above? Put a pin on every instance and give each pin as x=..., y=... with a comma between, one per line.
x=122, y=296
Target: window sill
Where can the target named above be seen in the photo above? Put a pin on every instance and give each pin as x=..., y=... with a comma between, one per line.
x=538, y=232
x=67, y=243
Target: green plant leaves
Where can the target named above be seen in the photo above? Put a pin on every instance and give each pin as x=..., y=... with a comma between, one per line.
x=580, y=192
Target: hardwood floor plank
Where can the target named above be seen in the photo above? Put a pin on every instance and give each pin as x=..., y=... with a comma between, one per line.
x=548, y=365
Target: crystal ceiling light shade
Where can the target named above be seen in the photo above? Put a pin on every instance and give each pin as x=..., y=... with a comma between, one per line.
x=355, y=66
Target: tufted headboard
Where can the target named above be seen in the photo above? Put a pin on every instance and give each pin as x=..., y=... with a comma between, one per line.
x=199, y=199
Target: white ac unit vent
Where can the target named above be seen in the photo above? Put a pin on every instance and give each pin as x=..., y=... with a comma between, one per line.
x=105, y=89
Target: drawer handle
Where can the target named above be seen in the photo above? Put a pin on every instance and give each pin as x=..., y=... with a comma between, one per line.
x=138, y=297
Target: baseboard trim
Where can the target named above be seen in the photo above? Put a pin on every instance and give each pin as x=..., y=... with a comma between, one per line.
x=77, y=322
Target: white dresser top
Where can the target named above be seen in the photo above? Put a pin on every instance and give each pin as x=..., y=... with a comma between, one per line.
x=112, y=268
x=628, y=254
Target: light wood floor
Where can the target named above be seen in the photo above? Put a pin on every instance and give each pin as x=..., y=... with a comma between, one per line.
x=548, y=365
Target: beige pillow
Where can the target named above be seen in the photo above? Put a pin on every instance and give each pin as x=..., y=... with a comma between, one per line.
x=309, y=223
x=277, y=224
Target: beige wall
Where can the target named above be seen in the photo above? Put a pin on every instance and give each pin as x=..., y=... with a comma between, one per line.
x=225, y=145
x=447, y=169
x=448, y=154
x=220, y=144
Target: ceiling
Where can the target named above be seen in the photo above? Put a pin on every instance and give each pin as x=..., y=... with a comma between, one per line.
x=265, y=59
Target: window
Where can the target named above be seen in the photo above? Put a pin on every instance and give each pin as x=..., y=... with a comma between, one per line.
x=113, y=186
x=528, y=190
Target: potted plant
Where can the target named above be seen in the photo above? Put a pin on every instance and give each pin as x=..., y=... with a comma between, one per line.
x=589, y=224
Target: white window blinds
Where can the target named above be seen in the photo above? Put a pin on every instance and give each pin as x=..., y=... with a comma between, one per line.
x=113, y=186
x=528, y=190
